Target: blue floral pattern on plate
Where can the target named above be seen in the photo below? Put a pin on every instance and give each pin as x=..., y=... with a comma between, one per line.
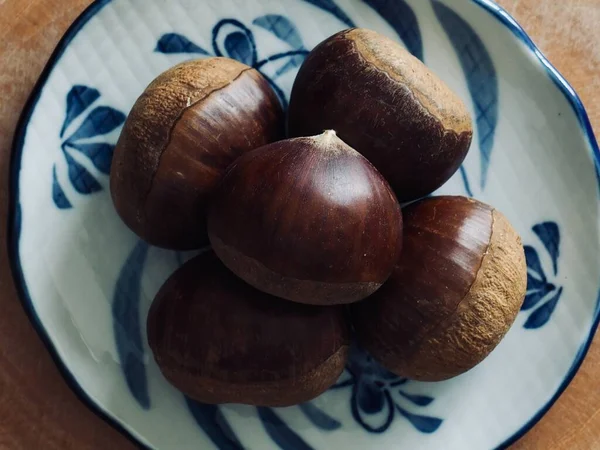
x=377, y=395
x=232, y=38
x=539, y=288
x=100, y=121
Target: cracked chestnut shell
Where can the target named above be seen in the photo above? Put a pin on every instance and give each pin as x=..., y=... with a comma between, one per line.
x=190, y=123
x=386, y=104
x=307, y=219
x=218, y=340
x=453, y=295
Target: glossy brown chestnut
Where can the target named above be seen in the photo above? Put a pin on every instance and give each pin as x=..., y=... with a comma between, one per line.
x=455, y=292
x=184, y=130
x=219, y=340
x=387, y=105
x=307, y=219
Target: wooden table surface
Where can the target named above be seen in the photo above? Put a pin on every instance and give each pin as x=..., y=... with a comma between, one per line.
x=38, y=409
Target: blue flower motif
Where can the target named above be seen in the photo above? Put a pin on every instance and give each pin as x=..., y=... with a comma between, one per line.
x=232, y=38
x=83, y=141
x=539, y=288
x=378, y=395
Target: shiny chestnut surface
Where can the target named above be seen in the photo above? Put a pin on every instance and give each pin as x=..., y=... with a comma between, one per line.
x=387, y=105
x=454, y=293
x=190, y=123
x=219, y=340
x=308, y=220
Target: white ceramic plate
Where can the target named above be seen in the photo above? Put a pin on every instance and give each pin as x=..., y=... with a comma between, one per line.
x=87, y=281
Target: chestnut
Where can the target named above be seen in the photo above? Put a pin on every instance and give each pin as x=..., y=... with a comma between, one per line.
x=387, y=105
x=307, y=219
x=453, y=295
x=181, y=134
x=218, y=340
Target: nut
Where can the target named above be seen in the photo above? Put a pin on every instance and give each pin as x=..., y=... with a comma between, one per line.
x=454, y=293
x=218, y=340
x=184, y=130
x=387, y=105
x=307, y=219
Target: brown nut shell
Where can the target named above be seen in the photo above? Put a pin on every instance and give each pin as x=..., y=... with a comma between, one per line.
x=386, y=104
x=307, y=219
x=219, y=340
x=190, y=123
x=455, y=292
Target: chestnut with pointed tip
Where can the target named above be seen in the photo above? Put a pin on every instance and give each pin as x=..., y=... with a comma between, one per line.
x=453, y=295
x=190, y=123
x=307, y=219
x=386, y=104
x=218, y=340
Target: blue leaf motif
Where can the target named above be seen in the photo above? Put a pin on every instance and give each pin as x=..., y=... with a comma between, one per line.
x=126, y=323
x=238, y=42
x=293, y=62
x=285, y=30
x=540, y=316
x=319, y=418
x=549, y=234
x=100, y=121
x=332, y=8
x=419, y=400
x=424, y=424
x=238, y=46
x=99, y=153
x=58, y=195
x=176, y=43
x=465, y=179
x=79, y=99
x=534, y=297
x=281, y=27
x=403, y=20
x=295, y=59
x=81, y=179
x=481, y=78
x=534, y=284
x=280, y=432
x=533, y=262
x=214, y=424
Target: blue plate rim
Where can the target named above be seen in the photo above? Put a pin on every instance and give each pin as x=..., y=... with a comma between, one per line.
x=14, y=214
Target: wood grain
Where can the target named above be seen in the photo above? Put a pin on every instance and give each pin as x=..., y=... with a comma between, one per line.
x=37, y=408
